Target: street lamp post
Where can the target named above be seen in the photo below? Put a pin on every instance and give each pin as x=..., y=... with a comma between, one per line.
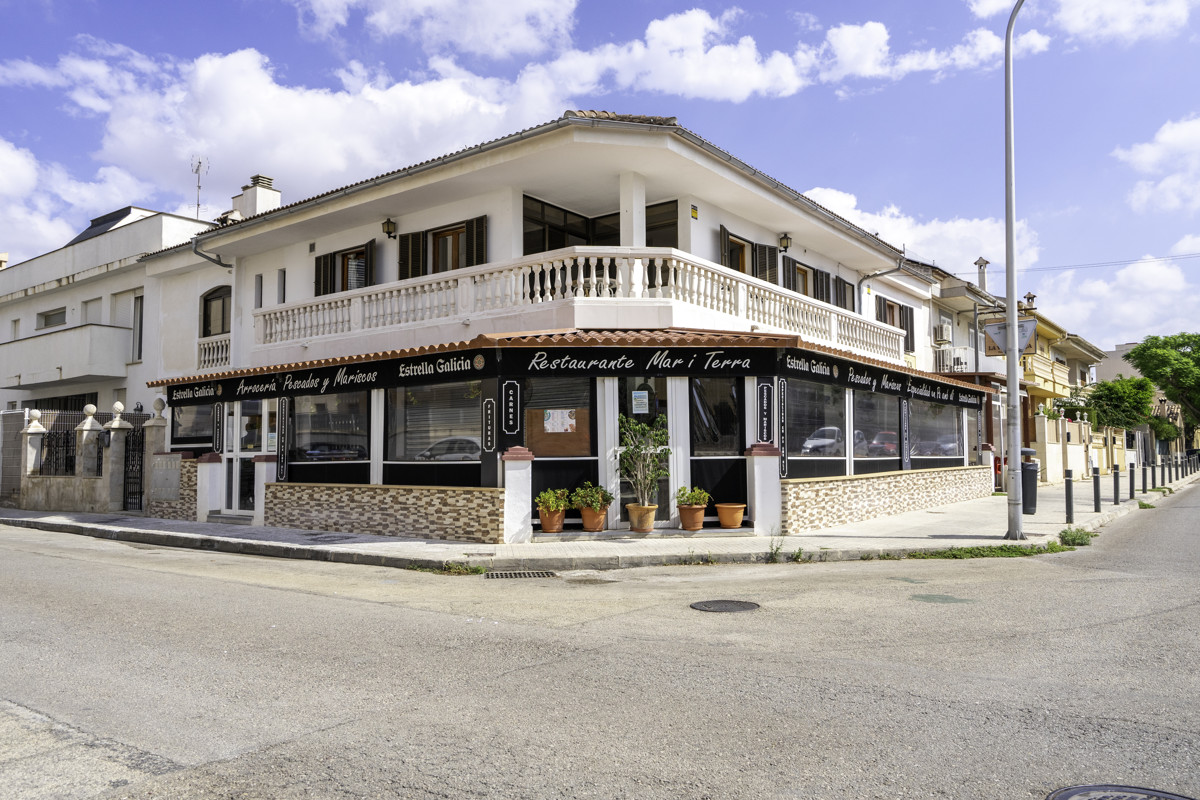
x=1011, y=353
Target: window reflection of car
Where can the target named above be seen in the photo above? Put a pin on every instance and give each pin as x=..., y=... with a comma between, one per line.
x=453, y=448
x=333, y=451
x=947, y=445
x=885, y=443
x=860, y=443
x=825, y=442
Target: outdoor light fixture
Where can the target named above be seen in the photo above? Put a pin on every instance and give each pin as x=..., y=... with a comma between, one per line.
x=785, y=242
x=389, y=227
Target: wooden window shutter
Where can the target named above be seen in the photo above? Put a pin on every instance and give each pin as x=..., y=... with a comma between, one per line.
x=843, y=292
x=476, y=242
x=790, y=265
x=821, y=288
x=766, y=263
x=412, y=255
x=369, y=253
x=324, y=278
x=723, y=244
x=906, y=322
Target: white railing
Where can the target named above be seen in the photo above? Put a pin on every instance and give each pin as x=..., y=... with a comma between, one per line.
x=212, y=352
x=602, y=274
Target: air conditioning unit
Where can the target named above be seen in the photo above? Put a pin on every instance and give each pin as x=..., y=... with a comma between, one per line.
x=942, y=334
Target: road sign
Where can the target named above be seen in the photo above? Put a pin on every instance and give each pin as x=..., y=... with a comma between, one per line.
x=997, y=333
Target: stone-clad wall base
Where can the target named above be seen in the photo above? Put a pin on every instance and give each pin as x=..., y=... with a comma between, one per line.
x=184, y=506
x=463, y=514
x=813, y=503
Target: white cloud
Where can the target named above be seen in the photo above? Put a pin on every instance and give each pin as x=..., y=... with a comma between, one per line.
x=862, y=51
x=989, y=8
x=1122, y=20
x=1172, y=160
x=953, y=244
x=1187, y=245
x=493, y=28
x=1127, y=306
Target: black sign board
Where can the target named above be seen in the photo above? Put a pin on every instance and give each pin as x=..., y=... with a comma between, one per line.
x=489, y=425
x=618, y=361
x=510, y=410
x=783, y=443
x=828, y=369
x=765, y=404
x=362, y=375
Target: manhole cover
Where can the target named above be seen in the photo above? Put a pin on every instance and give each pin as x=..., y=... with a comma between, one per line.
x=534, y=574
x=724, y=605
x=1109, y=792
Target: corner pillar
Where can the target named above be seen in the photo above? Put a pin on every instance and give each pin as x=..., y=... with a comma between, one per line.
x=764, y=491
x=517, y=465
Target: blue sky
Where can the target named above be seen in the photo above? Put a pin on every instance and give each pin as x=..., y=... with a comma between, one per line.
x=887, y=111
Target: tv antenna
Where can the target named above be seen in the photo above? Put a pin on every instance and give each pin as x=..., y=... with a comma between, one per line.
x=199, y=167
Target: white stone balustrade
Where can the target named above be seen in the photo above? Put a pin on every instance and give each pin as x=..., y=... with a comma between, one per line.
x=212, y=352
x=602, y=274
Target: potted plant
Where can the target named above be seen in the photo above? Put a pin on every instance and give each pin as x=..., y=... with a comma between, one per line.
x=643, y=461
x=730, y=514
x=691, y=503
x=592, y=503
x=552, y=509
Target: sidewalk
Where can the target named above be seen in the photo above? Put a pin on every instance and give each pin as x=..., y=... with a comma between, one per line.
x=970, y=523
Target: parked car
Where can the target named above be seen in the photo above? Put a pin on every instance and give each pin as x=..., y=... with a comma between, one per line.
x=885, y=443
x=826, y=441
x=948, y=445
x=334, y=451
x=452, y=448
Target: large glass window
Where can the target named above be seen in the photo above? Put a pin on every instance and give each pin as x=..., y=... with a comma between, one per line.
x=816, y=419
x=876, y=426
x=190, y=425
x=558, y=417
x=935, y=429
x=215, y=311
x=333, y=427
x=716, y=417
x=435, y=422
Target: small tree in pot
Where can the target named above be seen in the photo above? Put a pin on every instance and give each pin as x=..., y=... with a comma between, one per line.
x=592, y=502
x=552, y=509
x=643, y=462
x=692, y=503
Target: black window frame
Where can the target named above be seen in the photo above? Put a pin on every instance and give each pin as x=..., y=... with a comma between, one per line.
x=330, y=275
x=223, y=295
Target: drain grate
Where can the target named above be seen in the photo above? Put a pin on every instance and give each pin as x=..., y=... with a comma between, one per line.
x=1106, y=791
x=725, y=606
x=531, y=574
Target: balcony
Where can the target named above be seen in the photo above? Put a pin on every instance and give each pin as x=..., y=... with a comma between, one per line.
x=79, y=353
x=585, y=287
x=212, y=352
x=948, y=360
x=1052, y=376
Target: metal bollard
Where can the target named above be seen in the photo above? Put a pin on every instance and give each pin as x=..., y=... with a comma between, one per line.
x=1116, y=484
x=1070, y=489
x=1163, y=464
x=1131, y=477
x=1143, y=478
x=1153, y=477
x=1096, y=487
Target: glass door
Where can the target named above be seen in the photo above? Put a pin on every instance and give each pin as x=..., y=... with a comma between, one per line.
x=250, y=430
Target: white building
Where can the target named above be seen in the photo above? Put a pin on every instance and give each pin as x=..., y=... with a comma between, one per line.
x=483, y=319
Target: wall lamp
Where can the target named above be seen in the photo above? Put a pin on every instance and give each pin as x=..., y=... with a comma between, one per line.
x=389, y=228
x=785, y=241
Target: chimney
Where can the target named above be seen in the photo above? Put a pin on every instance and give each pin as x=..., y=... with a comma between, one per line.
x=257, y=197
x=3, y=260
x=982, y=263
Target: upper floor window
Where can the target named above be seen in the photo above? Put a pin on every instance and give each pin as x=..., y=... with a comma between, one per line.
x=215, y=307
x=548, y=227
x=50, y=319
x=463, y=244
x=897, y=315
x=345, y=270
x=739, y=253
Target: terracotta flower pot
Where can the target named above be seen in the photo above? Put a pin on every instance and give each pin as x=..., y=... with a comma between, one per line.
x=552, y=521
x=593, y=521
x=730, y=514
x=641, y=518
x=691, y=518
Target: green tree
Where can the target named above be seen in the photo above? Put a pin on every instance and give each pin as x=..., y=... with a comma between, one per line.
x=1122, y=403
x=1172, y=363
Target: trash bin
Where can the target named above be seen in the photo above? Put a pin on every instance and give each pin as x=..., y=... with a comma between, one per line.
x=1029, y=481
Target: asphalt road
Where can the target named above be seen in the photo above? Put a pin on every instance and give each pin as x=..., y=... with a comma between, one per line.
x=129, y=671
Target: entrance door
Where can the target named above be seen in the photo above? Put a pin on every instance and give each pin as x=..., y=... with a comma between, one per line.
x=249, y=431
